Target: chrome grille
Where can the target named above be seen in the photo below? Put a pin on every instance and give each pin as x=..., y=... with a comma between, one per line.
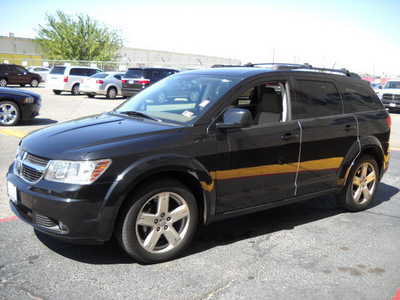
x=30, y=167
x=391, y=97
x=30, y=174
x=37, y=160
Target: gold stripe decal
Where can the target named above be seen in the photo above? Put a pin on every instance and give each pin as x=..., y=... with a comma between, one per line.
x=315, y=165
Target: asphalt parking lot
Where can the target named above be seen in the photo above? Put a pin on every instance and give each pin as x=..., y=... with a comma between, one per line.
x=309, y=250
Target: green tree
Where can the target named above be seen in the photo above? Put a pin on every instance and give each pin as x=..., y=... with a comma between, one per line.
x=80, y=38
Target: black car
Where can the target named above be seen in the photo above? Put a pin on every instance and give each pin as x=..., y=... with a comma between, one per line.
x=16, y=105
x=136, y=79
x=14, y=74
x=256, y=138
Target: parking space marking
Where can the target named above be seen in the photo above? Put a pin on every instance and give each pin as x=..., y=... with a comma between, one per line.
x=12, y=132
x=8, y=219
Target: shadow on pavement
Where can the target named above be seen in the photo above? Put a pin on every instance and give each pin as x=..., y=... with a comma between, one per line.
x=222, y=232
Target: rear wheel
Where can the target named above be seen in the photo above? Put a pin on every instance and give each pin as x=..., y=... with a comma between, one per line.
x=111, y=93
x=9, y=113
x=159, y=221
x=3, y=82
x=361, y=185
x=57, y=92
x=34, y=82
x=75, y=89
x=90, y=95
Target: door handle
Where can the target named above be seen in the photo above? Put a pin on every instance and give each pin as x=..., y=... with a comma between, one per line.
x=289, y=136
x=349, y=127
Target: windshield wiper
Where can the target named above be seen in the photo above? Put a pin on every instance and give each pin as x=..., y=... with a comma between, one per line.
x=138, y=114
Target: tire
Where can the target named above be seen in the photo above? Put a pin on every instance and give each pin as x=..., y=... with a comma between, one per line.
x=3, y=82
x=22, y=84
x=90, y=95
x=361, y=185
x=194, y=96
x=9, y=113
x=111, y=93
x=57, y=92
x=75, y=89
x=159, y=222
x=34, y=82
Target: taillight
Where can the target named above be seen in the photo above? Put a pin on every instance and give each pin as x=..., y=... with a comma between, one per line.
x=65, y=78
x=389, y=121
x=123, y=80
x=99, y=81
x=144, y=81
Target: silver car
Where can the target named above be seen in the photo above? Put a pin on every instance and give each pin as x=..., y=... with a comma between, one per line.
x=42, y=71
x=108, y=84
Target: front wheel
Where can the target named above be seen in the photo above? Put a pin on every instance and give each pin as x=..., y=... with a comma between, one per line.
x=361, y=185
x=159, y=222
x=3, y=82
x=9, y=113
x=111, y=93
x=34, y=82
x=57, y=92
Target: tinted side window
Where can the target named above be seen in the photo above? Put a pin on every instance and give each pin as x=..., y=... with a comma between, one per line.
x=315, y=99
x=76, y=71
x=20, y=69
x=58, y=70
x=358, y=98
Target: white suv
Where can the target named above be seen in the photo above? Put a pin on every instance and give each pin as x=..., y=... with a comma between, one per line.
x=68, y=78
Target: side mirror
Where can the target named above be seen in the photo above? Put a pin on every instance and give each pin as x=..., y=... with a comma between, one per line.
x=236, y=118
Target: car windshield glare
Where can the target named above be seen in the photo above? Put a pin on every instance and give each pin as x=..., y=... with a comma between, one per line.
x=180, y=99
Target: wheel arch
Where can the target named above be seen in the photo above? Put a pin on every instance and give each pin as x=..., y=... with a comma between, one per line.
x=368, y=145
x=188, y=172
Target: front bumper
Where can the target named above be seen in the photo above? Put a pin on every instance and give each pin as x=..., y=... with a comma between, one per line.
x=67, y=211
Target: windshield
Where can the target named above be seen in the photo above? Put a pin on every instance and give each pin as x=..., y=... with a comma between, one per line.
x=178, y=99
x=392, y=85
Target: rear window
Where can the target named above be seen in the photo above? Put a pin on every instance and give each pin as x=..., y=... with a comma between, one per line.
x=58, y=70
x=358, y=98
x=100, y=75
x=134, y=73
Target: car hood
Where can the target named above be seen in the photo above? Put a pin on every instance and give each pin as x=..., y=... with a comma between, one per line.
x=23, y=93
x=390, y=91
x=74, y=139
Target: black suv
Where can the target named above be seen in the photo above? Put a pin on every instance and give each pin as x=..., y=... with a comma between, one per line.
x=256, y=138
x=13, y=74
x=136, y=79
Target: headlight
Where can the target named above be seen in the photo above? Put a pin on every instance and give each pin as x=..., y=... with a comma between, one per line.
x=29, y=100
x=78, y=172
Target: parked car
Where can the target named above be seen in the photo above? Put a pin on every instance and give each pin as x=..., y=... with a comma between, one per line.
x=137, y=79
x=108, y=84
x=68, y=78
x=390, y=94
x=256, y=138
x=14, y=74
x=42, y=71
x=185, y=89
x=17, y=105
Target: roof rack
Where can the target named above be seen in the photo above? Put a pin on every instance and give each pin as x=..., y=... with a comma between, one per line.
x=305, y=66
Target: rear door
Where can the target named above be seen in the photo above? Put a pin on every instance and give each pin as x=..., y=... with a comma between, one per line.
x=327, y=133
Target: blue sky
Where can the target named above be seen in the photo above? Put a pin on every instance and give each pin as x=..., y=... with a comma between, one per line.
x=361, y=35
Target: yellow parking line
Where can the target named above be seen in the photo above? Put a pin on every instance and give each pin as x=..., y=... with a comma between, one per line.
x=12, y=132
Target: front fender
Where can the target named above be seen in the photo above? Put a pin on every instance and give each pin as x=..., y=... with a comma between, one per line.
x=147, y=167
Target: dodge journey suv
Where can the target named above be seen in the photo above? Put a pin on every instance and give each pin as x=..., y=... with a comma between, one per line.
x=253, y=139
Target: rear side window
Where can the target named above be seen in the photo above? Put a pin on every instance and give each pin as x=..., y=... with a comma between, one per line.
x=358, y=98
x=58, y=70
x=315, y=99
